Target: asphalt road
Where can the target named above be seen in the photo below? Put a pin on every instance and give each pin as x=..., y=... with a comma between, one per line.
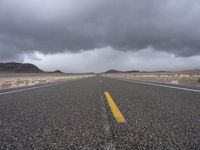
x=77, y=115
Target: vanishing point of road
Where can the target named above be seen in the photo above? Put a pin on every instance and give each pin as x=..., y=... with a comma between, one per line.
x=100, y=113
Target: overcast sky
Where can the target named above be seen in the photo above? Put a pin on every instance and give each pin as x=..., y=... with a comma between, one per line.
x=97, y=35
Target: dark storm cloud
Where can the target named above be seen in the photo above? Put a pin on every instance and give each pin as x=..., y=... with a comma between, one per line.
x=52, y=26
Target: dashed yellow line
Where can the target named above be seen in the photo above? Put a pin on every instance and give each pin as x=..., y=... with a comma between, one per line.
x=115, y=110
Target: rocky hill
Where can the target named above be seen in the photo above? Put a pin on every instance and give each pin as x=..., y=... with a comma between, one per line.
x=19, y=68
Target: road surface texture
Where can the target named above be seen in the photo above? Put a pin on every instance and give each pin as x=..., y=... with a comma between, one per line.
x=77, y=115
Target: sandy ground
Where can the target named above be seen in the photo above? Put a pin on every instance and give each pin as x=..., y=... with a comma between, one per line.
x=182, y=78
x=23, y=80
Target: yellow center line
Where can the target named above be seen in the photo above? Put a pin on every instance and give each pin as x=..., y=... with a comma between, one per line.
x=115, y=110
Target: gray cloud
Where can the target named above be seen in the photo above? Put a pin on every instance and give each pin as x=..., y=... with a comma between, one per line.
x=100, y=60
x=53, y=26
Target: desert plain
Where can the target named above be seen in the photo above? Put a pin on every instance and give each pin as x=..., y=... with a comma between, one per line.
x=14, y=80
x=187, y=78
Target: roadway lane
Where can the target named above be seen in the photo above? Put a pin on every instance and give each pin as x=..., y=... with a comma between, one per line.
x=64, y=116
x=76, y=115
x=156, y=117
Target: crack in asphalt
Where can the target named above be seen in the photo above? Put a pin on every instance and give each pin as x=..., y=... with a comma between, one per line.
x=109, y=143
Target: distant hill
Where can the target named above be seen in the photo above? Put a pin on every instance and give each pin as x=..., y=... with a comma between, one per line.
x=57, y=71
x=13, y=67
x=112, y=71
x=117, y=71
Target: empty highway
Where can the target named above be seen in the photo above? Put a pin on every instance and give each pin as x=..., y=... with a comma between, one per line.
x=100, y=113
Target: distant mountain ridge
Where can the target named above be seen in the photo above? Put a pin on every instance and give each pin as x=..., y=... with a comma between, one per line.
x=13, y=67
x=118, y=71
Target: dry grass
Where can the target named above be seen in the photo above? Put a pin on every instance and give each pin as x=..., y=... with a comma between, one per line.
x=182, y=78
x=23, y=80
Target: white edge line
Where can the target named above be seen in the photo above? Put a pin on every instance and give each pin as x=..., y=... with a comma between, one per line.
x=160, y=85
x=32, y=88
